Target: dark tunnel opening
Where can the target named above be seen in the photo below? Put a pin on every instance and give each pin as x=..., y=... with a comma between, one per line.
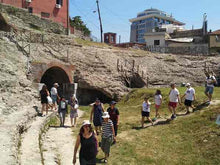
x=58, y=75
x=88, y=96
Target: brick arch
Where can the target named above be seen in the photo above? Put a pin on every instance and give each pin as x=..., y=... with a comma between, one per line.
x=39, y=69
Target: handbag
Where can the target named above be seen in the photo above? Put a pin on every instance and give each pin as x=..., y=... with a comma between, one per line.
x=49, y=100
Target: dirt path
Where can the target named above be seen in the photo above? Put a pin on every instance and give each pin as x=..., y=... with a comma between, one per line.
x=30, y=148
x=10, y=128
x=58, y=144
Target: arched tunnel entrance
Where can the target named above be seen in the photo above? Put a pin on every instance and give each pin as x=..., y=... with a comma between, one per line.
x=58, y=75
x=87, y=96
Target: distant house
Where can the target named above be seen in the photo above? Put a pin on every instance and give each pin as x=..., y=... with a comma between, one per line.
x=149, y=21
x=55, y=10
x=214, y=41
x=110, y=38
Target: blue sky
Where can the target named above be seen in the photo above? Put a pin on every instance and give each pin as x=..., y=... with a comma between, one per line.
x=116, y=13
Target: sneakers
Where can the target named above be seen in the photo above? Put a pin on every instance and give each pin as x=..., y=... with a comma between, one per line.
x=173, y=117
x=105, y=161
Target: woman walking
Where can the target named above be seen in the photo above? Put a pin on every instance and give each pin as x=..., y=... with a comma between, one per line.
x=114, y=116
x=96, y=115
x=74, y=110
x=89, y=145
x=44, y=93
x=108, y=135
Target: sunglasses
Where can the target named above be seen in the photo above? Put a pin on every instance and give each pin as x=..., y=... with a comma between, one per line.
x=87, y=125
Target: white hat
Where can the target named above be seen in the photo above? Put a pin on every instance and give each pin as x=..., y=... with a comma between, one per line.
x=188, y=84
x=56, y=84
x=86, y=122
x=105, y=115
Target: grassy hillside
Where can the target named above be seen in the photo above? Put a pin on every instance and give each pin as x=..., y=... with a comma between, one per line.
x=191, y=139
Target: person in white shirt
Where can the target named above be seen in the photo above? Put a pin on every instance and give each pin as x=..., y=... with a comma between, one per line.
x=189, y=97
x=174, y=99
x=145, y=111
x=54, y=95
x=158, y=102
x=210, y=82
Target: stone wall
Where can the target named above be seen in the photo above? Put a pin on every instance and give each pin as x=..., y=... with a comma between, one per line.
x=193, y=49
x=22, y=19
x=187, y=33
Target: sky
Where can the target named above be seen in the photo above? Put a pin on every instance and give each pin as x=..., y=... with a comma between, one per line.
x=116, y=13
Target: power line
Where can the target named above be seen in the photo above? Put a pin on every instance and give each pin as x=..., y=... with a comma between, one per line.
x=85, y=15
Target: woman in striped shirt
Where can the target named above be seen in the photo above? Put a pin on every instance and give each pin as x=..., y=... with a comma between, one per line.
x=108, y=134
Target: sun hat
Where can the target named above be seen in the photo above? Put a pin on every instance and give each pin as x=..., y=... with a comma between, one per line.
x=188, y=84
x=113, y=103
x=105, y=115
x=56, y=84
x=86, y=122
x=97, y=100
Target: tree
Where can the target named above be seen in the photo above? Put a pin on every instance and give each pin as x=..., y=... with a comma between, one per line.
x=80, y=25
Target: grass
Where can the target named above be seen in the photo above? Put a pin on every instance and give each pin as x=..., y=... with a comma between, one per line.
x=192, y=139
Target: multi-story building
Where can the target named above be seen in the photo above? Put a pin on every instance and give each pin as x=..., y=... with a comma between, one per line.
x=55, y=10
x=149, y=21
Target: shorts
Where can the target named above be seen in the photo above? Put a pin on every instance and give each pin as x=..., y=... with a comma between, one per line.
x=172, y=104
x=106, y=144
x=73, y=114
x=209, y=90
x=157, y=106
x=54, y=98
x=145, y=114
x=188, y=103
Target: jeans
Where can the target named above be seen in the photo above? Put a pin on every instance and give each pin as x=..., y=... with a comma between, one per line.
x=62, y=115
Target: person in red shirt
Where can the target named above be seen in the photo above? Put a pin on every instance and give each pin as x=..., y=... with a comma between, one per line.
x=114, y=116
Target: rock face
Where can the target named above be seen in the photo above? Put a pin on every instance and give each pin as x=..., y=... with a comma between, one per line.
x=101, y=71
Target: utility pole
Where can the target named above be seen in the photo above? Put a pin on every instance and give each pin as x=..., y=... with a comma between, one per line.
x=100, y=20
x=119, y=39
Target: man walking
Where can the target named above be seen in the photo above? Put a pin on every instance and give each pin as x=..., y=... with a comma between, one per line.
x=174, y=99
x=54, y=95
x=210, y=82
x=189, y=97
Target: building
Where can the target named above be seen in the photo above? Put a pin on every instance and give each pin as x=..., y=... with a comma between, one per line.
x=55, y=10
x=214, y=41
x=110, y=38
x=149, y=21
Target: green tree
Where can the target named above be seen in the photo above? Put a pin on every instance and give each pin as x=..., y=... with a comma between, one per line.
x=80, y=25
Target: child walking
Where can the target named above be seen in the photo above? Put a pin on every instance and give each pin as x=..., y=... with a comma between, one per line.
x=62, y=111
x=145, y=111
x=158, y=102
x=108, y=134
x=74, y=110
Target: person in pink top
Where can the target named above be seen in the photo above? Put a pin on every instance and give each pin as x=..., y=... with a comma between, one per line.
x=174, y=99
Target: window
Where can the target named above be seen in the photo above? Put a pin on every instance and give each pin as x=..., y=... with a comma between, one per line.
x=112, y=39
x=59, y=2
x=156, y=42
x=30, y=10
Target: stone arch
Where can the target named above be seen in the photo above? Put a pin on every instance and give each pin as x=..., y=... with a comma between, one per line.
x=49, y=73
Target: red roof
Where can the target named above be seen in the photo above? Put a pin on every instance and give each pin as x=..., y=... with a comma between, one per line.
x=216, y=32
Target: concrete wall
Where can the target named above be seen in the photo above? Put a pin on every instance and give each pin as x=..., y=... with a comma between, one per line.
x=213, y=42
x=151, y=38
x=45, y=6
